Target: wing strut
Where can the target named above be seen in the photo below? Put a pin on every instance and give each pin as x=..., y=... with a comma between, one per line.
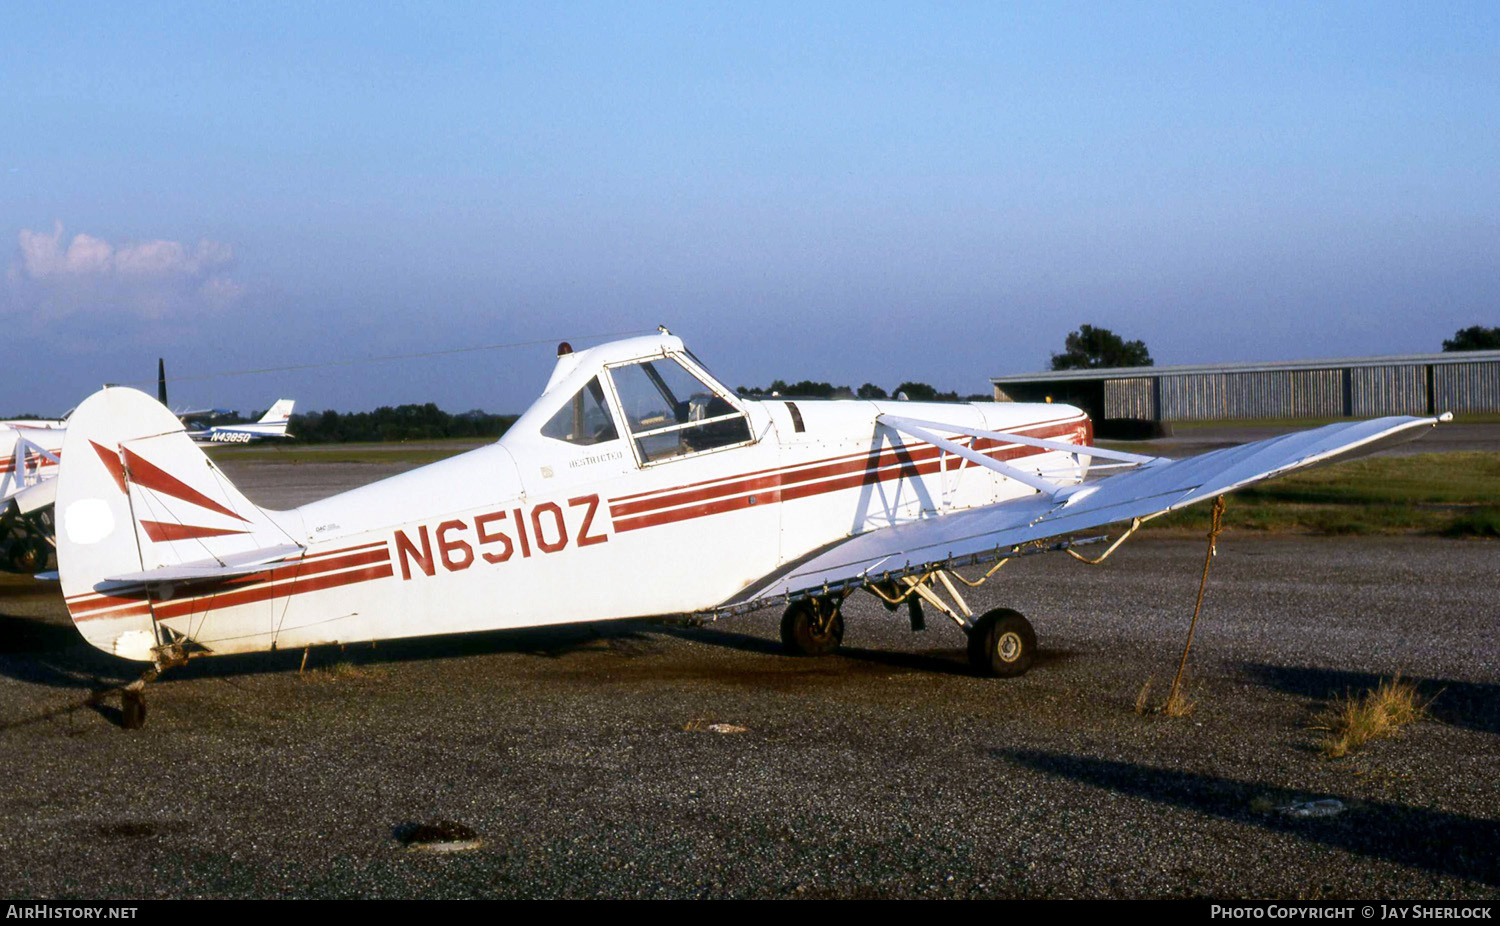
x=901, y=424
x=1034, y=480
x=24, y=451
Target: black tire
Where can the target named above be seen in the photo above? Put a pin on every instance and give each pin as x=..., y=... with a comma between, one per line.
x=29, y=555
x=1002, y=643
x=812, y=627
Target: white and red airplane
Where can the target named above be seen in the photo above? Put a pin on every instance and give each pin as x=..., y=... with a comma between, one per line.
x=636, y=485
x=29, y=454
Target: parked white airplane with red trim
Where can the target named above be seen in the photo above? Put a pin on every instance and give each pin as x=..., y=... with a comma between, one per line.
x=29, y=454
x=636, y=485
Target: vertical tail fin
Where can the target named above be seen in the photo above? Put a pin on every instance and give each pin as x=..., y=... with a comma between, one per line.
x=280, y=413
x=135, y=494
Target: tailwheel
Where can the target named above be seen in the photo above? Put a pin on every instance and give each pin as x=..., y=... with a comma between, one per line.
x=812, y=626
x=132, y=708
x=133, y=696
x=1002, y=643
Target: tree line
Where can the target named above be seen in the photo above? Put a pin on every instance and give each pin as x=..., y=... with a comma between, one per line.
x=387, y=424
x=809, y=389
x=1086, y=348
x=1475, y=337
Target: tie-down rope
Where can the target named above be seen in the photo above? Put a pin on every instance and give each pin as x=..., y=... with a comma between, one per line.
x=1215, y=526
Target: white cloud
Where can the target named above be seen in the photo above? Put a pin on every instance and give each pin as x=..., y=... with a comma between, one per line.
x=221, y=290
x=88, y=277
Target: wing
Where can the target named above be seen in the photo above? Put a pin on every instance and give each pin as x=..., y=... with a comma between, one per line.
x=1154, y=487
x=203, y=413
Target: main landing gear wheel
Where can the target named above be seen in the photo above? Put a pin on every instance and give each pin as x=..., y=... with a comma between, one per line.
x=812, y=627
x=28, y=555
x=1002, y=643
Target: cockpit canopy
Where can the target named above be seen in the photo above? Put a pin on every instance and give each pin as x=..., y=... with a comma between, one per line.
x=665, y=402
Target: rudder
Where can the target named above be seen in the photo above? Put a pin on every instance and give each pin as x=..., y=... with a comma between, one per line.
x=134, y=493
x=280, y=413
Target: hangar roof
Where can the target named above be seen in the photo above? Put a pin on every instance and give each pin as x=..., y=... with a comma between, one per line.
x=1471, y=356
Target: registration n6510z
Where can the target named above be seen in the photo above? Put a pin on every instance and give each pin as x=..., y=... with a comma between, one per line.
x=495, y=537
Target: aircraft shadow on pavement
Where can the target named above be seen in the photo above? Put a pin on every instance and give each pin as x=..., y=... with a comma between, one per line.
x=43, y=653
x=51, y=654
x=1467, y=705
x=940, y=663
x=1432, y=840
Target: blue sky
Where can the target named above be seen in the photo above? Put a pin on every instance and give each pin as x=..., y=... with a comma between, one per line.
x=852, y=192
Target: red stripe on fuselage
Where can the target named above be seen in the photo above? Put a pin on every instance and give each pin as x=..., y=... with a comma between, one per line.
x=273, y=581
x=8, y=464
x=170, y=609
x=806, y=480
x=91, y=609
x=1055, y=427
x=325, y=554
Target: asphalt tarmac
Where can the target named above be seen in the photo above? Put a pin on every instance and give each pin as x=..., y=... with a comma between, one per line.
x=585, y=759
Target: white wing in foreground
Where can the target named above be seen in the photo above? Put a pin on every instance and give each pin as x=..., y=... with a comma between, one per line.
x=1155, y=487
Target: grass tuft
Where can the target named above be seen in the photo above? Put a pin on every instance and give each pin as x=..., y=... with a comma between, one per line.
x=341, y=671
x=1349, y=722
x=1178, y=704
x=1143, y=697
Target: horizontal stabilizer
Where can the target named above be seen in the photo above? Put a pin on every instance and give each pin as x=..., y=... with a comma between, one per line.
x=1155, y=488
x=242, y=564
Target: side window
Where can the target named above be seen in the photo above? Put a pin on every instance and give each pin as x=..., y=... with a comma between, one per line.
x=670, y=412
x=584, y=420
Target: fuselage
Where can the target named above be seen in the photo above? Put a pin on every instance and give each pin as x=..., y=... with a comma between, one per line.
x=596, y=504
x=239, y=433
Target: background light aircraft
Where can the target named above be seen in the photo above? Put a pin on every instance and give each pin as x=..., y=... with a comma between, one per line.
x=272, y=424
x=30, y=450
x=636, y=485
